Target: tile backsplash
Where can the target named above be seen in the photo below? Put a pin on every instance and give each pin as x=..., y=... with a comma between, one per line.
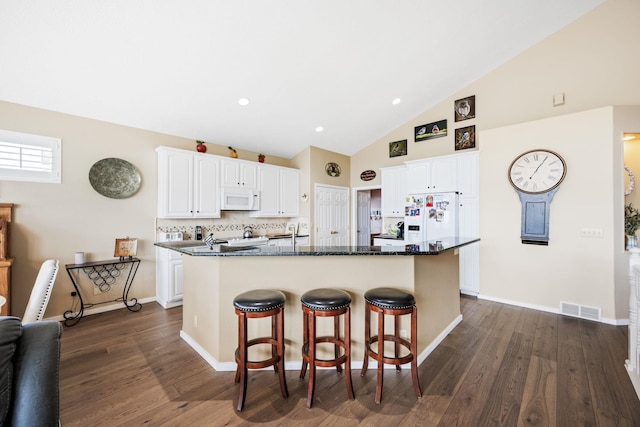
x=230, y=225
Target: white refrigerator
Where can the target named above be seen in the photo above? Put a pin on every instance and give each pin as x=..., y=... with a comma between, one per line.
x=429, y=217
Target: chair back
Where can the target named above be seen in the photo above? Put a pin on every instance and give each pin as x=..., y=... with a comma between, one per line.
x=41, y=292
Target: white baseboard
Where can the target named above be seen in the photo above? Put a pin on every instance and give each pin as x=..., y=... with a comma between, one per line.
x=634, y=376
x=614, y=322
x=297, y=365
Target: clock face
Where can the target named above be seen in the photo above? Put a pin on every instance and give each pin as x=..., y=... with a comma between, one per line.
x=537, y=171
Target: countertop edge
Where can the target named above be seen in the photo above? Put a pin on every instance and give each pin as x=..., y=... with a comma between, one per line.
x=424, y=248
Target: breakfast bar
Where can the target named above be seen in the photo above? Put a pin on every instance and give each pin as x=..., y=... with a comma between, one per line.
x=212, y=278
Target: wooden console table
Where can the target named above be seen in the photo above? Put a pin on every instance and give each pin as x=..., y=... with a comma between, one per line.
x=103, y=274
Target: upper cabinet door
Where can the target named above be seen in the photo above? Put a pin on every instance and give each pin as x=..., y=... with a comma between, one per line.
x=279, y=188
x=394, y=191
x=443, y=175
x=468, y=174
x=433, y=175
x=289, y=190
x=175, y=184
x=206, y=190
x=236, y=174
x=418, y=177
x=187, y=184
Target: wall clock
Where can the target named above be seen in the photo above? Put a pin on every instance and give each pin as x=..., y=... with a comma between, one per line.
x=333, y=169
x=536, y=176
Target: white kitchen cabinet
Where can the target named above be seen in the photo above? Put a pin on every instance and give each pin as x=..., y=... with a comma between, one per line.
x=239, y=174
x=469, y=222
x=168, y=277
x=169, y=273
x=467, y=170
x=393, y=195
x=187, y=184
x=286, y=241
x=436, y=174
x=279, y=188
x=387, y=242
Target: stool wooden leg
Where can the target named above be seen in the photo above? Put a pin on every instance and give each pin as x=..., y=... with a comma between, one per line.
x=380, y=355
x=336, y=335
x=414, y=351
x=312, y=359
x=241, y=373
x=347, y=352
x=305, y=340
x=367, y=339
x=396, y=333
x=279, y=336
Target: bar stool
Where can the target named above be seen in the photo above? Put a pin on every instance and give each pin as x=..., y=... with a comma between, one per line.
x=252, y=305
x=393, y=302
x=326, y=303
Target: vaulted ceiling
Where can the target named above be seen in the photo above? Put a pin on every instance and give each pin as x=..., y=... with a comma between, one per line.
x=181, y=67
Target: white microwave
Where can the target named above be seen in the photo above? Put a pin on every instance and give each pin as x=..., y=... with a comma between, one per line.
x=240, y=199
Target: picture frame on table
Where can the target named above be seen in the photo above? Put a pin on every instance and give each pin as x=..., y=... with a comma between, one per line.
x=126, y=248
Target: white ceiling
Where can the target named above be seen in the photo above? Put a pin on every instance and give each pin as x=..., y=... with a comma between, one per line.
x=179, y=67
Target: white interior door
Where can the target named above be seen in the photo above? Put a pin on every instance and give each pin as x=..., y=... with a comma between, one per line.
x=363, y=227
x=331, y=216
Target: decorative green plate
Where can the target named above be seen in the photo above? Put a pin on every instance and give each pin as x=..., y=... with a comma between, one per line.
x=114, y=178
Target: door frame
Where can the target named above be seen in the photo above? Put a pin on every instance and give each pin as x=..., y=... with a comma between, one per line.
x=354, y=209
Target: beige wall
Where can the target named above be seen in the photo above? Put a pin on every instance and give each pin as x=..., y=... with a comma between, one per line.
x=594, y=62
x=56, y=220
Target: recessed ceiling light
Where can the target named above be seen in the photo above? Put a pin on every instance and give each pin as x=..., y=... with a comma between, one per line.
x=319, y=129
x=396, y=101
x=243, y=101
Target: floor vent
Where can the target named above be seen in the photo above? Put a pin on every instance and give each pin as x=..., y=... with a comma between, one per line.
x=581, y=311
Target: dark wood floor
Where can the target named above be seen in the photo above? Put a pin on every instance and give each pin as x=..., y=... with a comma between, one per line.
x=502, y=365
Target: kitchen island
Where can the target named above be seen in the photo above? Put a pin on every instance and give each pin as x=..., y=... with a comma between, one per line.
x=212, y=278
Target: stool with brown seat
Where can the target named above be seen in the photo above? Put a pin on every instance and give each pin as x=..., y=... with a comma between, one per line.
x=393, y=302
x=252, y=305
x=326, y=302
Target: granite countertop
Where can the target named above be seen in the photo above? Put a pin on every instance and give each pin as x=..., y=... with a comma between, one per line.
x=190, y=247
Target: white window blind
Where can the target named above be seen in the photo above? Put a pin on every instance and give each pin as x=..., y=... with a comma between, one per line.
x=25, y=157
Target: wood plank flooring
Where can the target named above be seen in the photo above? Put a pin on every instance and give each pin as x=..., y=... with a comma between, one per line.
x=502, y=366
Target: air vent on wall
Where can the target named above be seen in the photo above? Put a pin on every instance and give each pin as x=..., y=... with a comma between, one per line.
x=581, y=311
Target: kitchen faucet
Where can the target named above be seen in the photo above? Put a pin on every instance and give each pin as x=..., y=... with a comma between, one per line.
x=210, y=240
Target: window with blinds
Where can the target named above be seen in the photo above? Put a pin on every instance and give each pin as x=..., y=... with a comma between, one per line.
x=25, y=157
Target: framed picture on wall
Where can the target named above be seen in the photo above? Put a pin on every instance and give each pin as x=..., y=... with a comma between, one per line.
x=465, y=138
x=430, y=130
x=398, y=148
x=465, y=108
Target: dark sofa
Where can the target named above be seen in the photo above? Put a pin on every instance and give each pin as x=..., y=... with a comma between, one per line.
x=29, y=367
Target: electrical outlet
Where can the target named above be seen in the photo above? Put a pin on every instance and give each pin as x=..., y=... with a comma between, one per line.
x=195, y=320
x=592, y=232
